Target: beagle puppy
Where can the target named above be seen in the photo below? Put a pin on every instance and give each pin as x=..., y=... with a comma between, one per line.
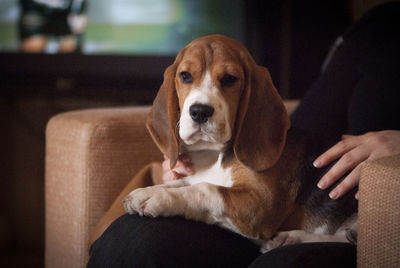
x=253, y=176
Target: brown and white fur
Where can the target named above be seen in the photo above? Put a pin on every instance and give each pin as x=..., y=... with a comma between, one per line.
x=251, y=172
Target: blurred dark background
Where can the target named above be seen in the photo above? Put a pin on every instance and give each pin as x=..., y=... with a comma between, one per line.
x=290, y=37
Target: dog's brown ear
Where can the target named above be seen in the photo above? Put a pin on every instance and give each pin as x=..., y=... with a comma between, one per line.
x=262, y=121
x=162, y=121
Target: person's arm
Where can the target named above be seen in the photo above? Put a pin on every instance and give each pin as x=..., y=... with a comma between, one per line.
x=352, y=152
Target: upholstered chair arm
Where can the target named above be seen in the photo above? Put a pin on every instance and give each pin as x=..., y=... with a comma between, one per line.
x=90, y=156
x=379, y=214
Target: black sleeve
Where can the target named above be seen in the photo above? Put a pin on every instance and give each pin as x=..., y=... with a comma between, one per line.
x=359, y=89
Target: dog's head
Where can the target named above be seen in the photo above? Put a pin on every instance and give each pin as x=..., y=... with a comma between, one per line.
x=214, y=94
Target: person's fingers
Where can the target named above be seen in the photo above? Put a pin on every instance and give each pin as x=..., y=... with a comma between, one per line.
x=347, y=136
x=347, y=162
x=183, y=170
x=185, y=159
x=175, y=175
x=184, y=165
x=168, y=176
x=166, y=165
x=352, y=151
x=336, y=151
x=347, y=184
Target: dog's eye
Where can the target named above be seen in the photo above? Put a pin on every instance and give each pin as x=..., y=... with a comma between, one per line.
x=228, y=80
x=186, y=77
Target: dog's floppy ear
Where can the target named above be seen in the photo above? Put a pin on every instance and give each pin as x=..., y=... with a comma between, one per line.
x=262, y=121
x=163, y=118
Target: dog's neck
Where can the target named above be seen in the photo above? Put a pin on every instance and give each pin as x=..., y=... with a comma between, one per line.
x=203, y=155
x=203, y=159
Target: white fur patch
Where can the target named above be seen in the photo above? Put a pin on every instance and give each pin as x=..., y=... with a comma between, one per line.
x=216, y=131
x=323, y=229
x=216, y=174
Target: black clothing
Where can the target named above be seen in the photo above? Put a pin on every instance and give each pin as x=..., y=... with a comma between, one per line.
x=134, y=241
x=359, y=90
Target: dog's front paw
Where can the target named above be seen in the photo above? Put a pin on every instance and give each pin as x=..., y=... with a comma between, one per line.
x=135, y=202
x=282, y=239
x=151, y=201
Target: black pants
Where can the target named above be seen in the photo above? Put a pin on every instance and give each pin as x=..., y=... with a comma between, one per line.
x=134, y=241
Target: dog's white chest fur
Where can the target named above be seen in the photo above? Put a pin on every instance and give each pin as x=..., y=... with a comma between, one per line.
x=214, y=174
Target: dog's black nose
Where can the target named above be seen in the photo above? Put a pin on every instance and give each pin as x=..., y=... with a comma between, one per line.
x=200, y=112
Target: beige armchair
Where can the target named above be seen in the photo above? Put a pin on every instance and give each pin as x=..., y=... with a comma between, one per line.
x=92, y=154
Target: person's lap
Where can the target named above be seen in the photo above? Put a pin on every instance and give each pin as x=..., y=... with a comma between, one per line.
x=322, y=254
x=134, y=241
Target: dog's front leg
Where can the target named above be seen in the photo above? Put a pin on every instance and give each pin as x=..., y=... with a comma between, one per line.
x=200, y=202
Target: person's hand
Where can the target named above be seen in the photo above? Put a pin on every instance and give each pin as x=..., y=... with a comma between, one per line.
x=352, y=152
x=183, y=168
